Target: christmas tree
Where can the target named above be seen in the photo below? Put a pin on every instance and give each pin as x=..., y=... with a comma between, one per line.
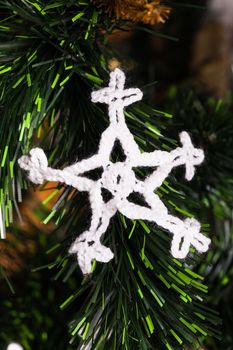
x=104, y=241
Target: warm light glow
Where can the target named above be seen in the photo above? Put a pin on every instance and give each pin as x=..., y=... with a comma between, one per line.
x=14, y=346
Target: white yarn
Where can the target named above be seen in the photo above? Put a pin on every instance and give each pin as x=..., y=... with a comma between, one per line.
x=14, y=346
x=120, y=180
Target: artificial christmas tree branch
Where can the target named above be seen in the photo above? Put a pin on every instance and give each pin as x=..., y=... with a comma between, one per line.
x=148, y=12
x=51, y=61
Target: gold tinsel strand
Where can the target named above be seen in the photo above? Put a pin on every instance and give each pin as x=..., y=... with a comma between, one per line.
x=146, y=11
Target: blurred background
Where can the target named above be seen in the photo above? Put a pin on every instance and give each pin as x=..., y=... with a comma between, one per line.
x=185, y=67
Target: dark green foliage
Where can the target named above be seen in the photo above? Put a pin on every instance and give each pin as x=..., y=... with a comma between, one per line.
x=211, y=124
x=127, y=303
x=51, y=61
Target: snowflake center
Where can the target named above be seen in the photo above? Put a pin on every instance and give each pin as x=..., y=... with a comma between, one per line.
x=119, y=179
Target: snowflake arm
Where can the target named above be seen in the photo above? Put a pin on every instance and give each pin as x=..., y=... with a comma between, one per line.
x=185, y=233
x=85, y=165
x=115, y=95
x=88, y=245
x=165, y=161
x=36, y=165
x=188, y=156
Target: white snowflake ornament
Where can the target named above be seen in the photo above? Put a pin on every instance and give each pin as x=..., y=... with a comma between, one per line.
x=120, y=181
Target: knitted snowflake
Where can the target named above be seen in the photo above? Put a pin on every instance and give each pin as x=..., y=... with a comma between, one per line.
x=120, y=181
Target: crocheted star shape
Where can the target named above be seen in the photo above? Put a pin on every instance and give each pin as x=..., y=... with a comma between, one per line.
x=120, y=181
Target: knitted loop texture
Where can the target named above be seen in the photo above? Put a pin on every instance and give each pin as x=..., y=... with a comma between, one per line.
x=120, y=181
